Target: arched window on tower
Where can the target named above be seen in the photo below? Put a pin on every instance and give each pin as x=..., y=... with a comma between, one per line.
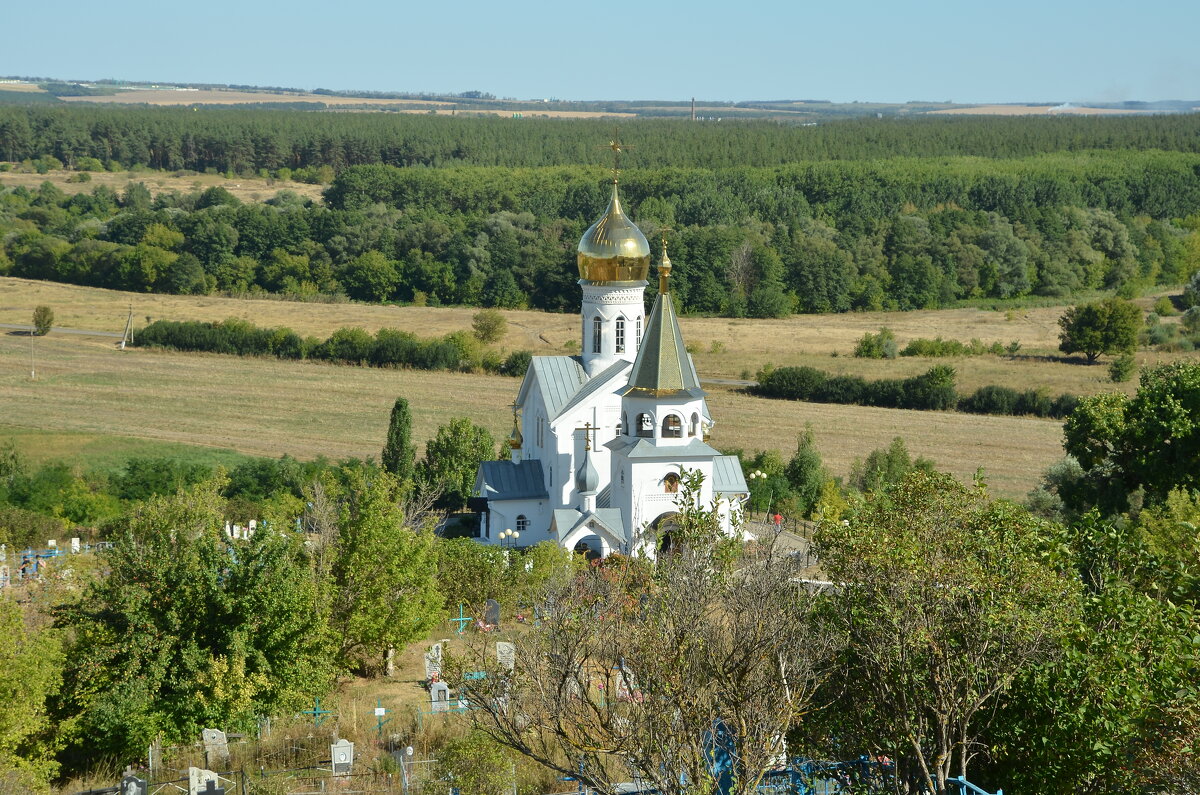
x=638, y=342
x=620, y=335
x=645, y=425
x=672, y=427
x=695, y=428
x=671, y=483
x=597, y=333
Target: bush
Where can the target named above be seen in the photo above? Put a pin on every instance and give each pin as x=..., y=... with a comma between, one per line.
x=933, y=390
x=792, y=383
x=1191, y=320
x=990, y=400
x=488, y=325
x=1122, y=368
x=877, y=346
x=1165, y=307
x=43, y=320
x=517, y=363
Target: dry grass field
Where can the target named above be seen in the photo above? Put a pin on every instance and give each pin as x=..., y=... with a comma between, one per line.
x=1035, y=110
x=245, y=189
x=270, y=407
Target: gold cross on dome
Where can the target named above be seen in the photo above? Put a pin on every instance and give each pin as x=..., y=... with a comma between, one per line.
x=587, y=436
x=617, y=148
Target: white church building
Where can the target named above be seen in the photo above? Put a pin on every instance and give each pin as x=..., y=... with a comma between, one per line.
x=600, y=440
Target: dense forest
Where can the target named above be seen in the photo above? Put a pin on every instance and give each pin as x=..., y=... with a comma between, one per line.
x=808, y=220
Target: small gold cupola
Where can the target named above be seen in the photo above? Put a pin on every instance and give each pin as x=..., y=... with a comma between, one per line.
x=613, y=249
x=515, y=440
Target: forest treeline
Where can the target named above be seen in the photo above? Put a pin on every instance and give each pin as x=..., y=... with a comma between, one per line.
x=831, y=236
x=244, y=141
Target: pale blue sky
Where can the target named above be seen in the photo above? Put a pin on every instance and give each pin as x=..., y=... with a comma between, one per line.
x=1024, y=50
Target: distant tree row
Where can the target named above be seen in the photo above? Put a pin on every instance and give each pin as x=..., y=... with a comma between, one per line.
x=899, y=234
x=242, y=140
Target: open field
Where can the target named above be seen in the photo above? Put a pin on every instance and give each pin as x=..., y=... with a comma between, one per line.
x=724, y=348
x=271, y=407
x=105, y=452
x=1035, y=110
x=246, y=189
x=217, y=96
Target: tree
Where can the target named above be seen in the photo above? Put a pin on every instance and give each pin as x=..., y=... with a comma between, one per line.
x=384, y=572
x=190, y=628
x=43, y=320
x=451, y=460
x=885, y=467
x=805, y=473
x=1107, y=326
x=398, y=455
x=644, y=672
x=488, y=325
x=370, y=277
x=1149, y=442
x=947, y=599
x=30, y=674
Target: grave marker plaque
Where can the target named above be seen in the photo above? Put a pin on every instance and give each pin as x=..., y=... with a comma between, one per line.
x=439, y=697
x=342, y=754
x=203, y=781
x=216, y=747
x=506, y=655
x=491, y=612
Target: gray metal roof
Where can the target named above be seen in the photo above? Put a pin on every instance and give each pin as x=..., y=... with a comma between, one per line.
x=505, y=480
x=567, y=519
x=594, y=385
x=728, y=477
x=637, y=447
x=558, y=379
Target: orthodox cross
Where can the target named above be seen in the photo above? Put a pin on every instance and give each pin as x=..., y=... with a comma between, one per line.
x=587, y=429
x=462, y=620
x=617, y=148
x=516, y=407
x=316, y=712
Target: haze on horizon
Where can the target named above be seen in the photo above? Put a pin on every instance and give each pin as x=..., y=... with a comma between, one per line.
x=937, y=50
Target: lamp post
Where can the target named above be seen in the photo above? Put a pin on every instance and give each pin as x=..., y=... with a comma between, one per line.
x=509, y=537
x=758, y=474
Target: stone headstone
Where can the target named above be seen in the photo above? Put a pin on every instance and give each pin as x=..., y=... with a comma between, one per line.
x=251, y=528
x=203, y=781
x=76, y=545
x=52, y=543
x=506, y=655
x=433, y=662
x=216, y=747
x=4, y=575
x=491, y=613
x=439, y=697
x=341, y=754
x=132, y=785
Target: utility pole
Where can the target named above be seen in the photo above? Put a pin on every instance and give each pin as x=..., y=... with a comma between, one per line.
x=32, y=369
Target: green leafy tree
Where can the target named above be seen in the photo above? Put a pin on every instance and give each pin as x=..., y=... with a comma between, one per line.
x=1107, y=326
x=30, y=674
x=949, y=597
x=384, y=573
x=805, y=474
x=1149, y=442
x=885, y=467
x=399, y=455
x=190, y=628
x=451, y=460
x=370, y=277
x=488, y=326
x=43, y=320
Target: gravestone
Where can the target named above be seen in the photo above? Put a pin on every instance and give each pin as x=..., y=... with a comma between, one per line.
x=506, y=655
x=76, y=545
x=439, y=697
x=433, y=662
x=202, y=781
x=4, y=575
x=52, y=543
x=491, y=613
x=342, y=755
x=216, y=747
x=132, y=785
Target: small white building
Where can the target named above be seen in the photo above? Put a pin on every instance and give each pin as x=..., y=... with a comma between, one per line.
x=601, y=440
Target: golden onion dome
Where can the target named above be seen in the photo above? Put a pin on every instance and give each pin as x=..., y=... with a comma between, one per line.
x=613, y=249
x=515, y=439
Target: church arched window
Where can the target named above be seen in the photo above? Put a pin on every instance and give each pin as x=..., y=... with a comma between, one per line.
x=522, y=523
x=695, y=429
x=671, y=483
x=619, y=337
x=638, y=342
x=672, y=427
x=645, y=425
x=597, y=333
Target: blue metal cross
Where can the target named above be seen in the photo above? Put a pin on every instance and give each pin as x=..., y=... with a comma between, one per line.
x=317, y=713
x=380, y=711
x=462, y=620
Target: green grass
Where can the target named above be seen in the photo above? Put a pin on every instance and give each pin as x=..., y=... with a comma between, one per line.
x=94, y=452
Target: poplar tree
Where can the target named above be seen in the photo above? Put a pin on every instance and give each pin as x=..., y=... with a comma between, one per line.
x=398, y=456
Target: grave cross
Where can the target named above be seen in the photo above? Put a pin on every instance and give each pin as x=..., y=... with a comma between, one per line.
x=316, y=712
x=462, y=620
x=380, y=711
x=211, y=788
